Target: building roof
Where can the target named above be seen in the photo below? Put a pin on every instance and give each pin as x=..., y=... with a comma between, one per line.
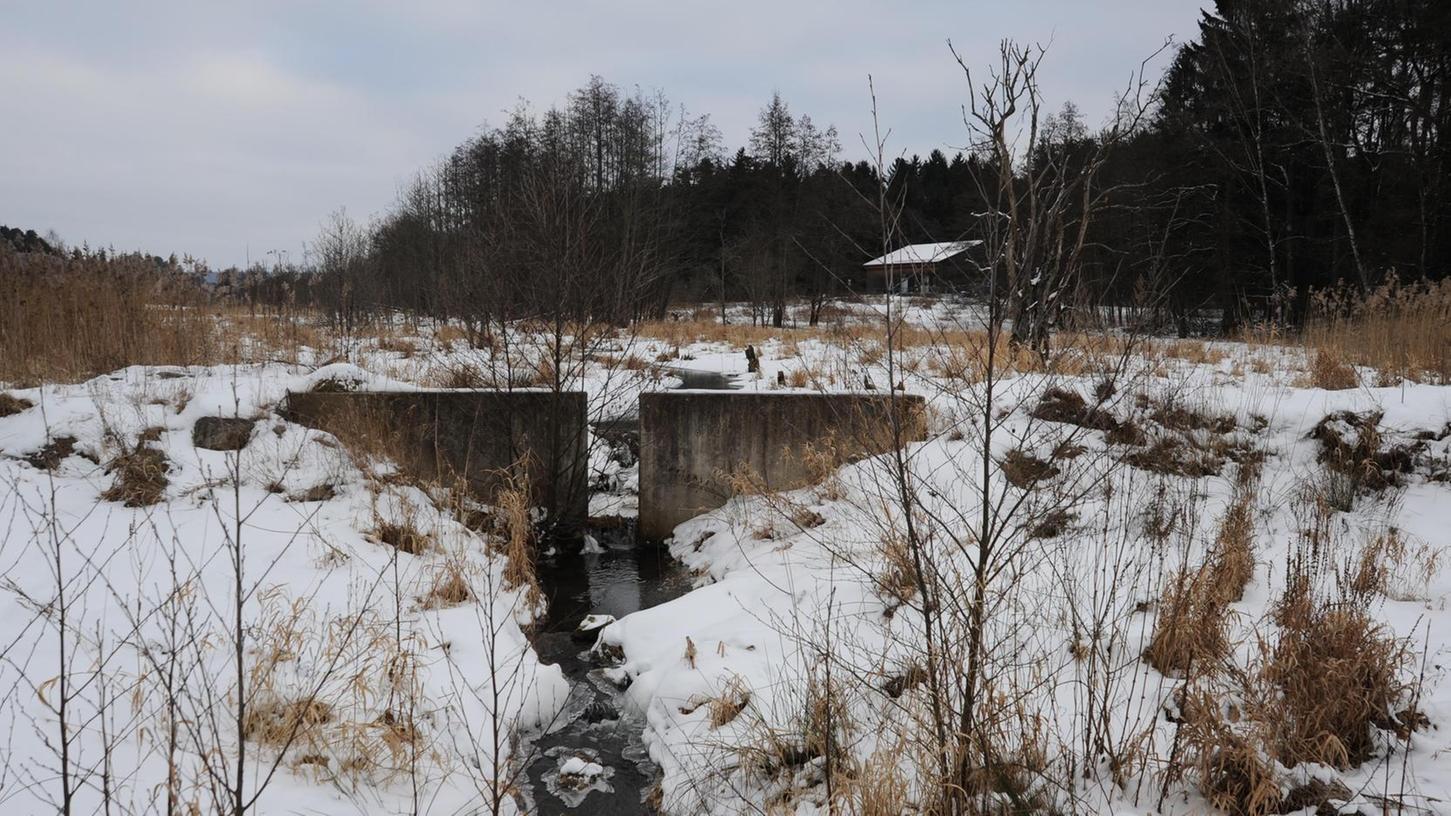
x=923, y=253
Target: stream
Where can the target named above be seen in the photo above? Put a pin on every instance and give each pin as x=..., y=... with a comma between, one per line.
x=596, y=728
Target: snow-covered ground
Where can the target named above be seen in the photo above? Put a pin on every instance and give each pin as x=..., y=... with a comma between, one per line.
x=802, y=606
x=330, y=613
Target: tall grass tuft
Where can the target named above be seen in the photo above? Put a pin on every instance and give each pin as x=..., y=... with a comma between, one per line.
x=71, y=318
x=1403, y=331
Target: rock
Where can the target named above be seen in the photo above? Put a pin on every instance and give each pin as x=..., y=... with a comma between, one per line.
x=222, y=433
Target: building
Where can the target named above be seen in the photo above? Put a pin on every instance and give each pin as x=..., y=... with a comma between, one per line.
x=925, y=268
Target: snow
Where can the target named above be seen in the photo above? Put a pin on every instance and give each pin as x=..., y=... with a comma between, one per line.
x=331, y=611
x=575, y=766
x=922, y=253
x=764, y=605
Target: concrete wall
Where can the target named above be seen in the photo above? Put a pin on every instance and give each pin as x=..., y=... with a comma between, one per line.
x=474, y=434
x=691, y=443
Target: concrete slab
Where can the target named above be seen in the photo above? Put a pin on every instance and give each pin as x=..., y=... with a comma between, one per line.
x=482, y=436
x=693, y=442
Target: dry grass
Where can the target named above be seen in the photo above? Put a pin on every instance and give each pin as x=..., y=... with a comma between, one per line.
x=1191, y=630
x=138, y=476
x=1232, y=561
x=1339, y=678
x=1328, y=370
x=1024, y=470
x=732, y=700
x=876, y=786
x=280, y=723
x=402, y=536
x=1175, y=456
x=1051, y=524
x=1234, y=773
x=460, y=375
x=450, y=586
x=1402, y=331
x=66, y=319
x=1351, y=444
x=1068, y=406
x=897, y=581
x=1193, y=351
x=11, y=405
x=518, y=541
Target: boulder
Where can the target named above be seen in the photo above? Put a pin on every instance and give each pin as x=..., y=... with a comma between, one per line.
x=222, y=433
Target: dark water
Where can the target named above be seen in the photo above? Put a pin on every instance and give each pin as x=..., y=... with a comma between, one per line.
x=625, y=578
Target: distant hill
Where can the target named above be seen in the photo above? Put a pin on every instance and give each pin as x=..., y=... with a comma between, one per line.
x=25, y=241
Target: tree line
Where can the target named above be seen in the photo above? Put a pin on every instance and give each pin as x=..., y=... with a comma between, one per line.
x=1291, y=145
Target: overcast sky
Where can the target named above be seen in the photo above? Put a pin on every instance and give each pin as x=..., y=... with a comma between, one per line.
x=229, y=129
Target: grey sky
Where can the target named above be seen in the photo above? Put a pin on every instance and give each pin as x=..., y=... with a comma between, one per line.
x=218, y=129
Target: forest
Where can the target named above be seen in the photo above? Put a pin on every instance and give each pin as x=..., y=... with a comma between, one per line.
x=1293, y=145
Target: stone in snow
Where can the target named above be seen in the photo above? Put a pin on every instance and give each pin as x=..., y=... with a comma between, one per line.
x=222, y=433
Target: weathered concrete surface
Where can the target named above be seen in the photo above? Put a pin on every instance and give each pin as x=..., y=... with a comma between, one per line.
x=693, y=443
x=482, y=436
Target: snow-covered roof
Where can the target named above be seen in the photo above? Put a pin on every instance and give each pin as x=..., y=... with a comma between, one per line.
x=922, y=253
